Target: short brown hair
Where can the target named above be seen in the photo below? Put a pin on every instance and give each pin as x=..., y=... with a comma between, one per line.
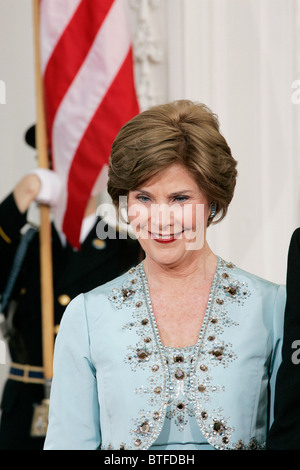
x=182, y=132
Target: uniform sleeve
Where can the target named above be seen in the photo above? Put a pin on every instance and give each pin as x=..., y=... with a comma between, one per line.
x=278, y=320
x=11, y=222
x=74, y=409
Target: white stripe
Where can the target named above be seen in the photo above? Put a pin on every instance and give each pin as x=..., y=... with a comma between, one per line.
x=55, y=15
x=101, y=182
x=89, y=87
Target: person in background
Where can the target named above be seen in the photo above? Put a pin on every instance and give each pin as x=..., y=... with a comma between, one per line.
x=74, y=271
x=285, y=431
x=180, y=351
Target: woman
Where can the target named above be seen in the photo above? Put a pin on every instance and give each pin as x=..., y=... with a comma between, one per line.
x=179, y=352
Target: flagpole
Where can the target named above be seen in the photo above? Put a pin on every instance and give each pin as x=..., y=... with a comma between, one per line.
x=45, y=222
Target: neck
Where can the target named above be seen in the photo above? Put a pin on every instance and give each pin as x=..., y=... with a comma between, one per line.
x=201, y=267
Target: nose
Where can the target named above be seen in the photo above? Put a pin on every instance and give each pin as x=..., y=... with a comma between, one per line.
x=161, y=217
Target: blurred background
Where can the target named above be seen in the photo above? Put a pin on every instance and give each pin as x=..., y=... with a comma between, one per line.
x=242, y=59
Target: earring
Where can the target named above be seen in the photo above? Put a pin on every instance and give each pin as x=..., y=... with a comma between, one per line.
x=213, y=210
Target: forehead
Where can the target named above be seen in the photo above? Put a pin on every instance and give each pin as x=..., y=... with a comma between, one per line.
x=175, y=176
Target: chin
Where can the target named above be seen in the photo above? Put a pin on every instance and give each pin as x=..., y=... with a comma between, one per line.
x=167, y=257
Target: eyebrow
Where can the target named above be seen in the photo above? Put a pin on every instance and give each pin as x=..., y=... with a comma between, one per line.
x=176, y=193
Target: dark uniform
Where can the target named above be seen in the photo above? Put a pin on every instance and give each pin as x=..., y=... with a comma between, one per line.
x=97, y=262
x=285, y=431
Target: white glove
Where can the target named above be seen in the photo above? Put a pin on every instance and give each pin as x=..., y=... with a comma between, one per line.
x=51, y=187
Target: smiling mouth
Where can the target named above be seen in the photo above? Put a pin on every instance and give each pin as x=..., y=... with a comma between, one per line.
x=161, y=238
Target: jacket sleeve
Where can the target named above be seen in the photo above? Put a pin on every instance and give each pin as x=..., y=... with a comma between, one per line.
x=11, y=223
x=278, y=319
x=285, y=431
x=74, y=409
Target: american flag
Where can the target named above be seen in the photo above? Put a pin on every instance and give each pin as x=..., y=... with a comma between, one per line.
x=88, y=76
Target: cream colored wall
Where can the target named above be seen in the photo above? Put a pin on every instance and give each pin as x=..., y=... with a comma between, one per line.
x=241, y=59
x=16, y=70
x=18, y=112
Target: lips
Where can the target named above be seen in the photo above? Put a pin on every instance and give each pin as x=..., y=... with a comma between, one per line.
x=161, y=238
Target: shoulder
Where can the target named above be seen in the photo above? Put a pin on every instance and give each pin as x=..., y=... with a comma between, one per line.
x=255, y=279
x=263, y=301
x=259, y=288
x=106, y=289
x=12, y=220
x=98, y=304
x=295, y=243
x=109, y=297
x=296, y=235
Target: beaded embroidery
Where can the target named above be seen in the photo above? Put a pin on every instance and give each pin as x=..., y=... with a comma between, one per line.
x=209, y=352
x=180, y=406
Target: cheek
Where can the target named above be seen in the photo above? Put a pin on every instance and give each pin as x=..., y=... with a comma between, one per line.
x=194, y=216
x=138, y=216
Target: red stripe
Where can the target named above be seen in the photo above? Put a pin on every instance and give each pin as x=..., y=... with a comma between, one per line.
x=70, y=52
x=118, y=106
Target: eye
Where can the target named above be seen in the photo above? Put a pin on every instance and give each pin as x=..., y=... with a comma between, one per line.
x=180, y=199
x=142, y=198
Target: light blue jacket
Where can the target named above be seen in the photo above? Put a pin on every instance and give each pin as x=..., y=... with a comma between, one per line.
x=110, y=384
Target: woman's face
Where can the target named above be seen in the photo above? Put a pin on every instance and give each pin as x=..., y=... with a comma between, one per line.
x=169, y=216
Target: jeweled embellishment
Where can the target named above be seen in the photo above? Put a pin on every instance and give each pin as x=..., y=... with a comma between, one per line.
x=144, y=428
x=231, y=290
x=219, y=427
x=252, y=445
x=236, y=290
x=132, y=270
x=223, y=355
x=179, y=374
x=128, y=326
x=122, y=296
x=142, y=354
x=180, y=406
x=216, y=429
x=138, y=357
x=179, y=357
x=217, y=352
x=126, y=293
x=228, y=290
x=184, y=391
